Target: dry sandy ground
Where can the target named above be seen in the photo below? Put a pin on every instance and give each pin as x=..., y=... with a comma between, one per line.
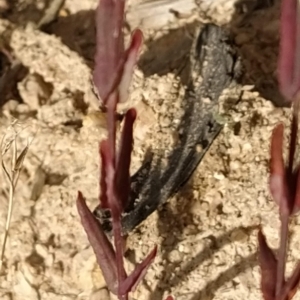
x=206, y=234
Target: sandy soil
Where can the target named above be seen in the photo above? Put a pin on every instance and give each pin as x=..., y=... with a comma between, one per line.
x=207, y=233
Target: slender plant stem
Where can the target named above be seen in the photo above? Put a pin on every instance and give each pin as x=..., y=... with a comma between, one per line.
x=116, y=205
x=282, y=253
x=118, y=240
x=13, y=179
x=8, y=220
x=293, y=140
x=111, y=124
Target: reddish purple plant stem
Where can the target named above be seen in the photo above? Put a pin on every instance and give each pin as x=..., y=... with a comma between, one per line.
x=118, y=240
x=111, y=124
x=282, y=253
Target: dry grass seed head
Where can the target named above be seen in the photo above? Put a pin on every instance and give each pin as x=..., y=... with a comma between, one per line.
x=9, y=144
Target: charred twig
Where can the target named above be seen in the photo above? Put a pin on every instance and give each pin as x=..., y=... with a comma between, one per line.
x=216, y=61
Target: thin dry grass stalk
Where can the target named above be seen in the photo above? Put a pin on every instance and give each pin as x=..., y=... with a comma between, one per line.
x=9, y=144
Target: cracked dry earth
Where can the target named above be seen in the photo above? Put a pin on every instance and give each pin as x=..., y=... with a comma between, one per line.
x=206, y=234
